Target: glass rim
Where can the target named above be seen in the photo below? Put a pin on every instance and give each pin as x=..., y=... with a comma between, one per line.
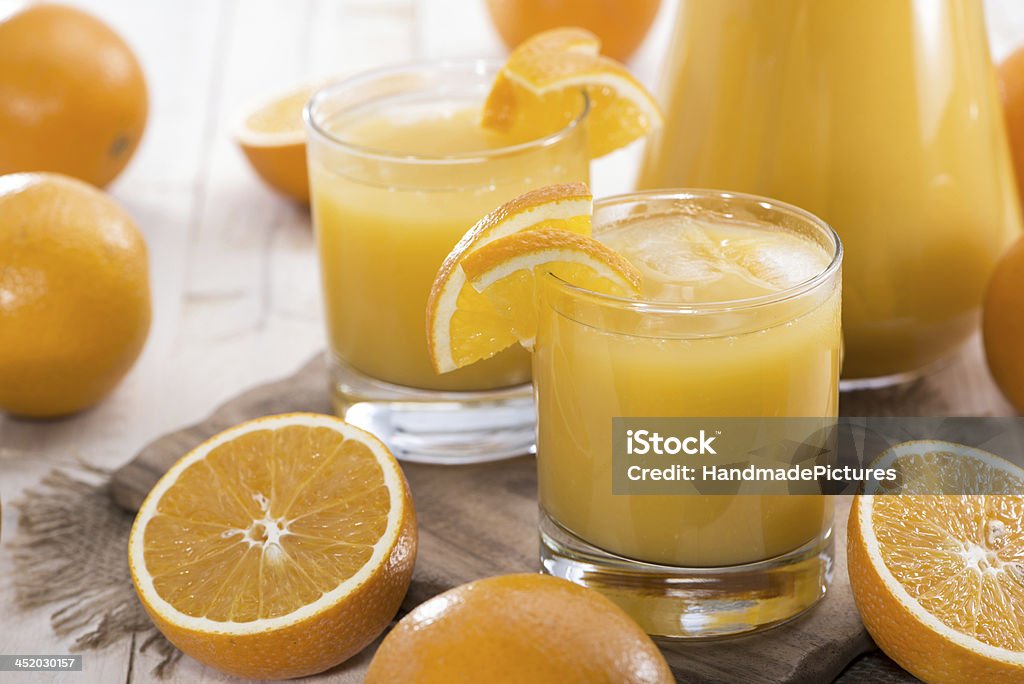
x=655, y=307
x=480, y=66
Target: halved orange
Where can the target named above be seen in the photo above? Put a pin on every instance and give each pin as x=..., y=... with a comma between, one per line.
x=506, y=272
x=538, y=90
x=278, y=548
x=939, y=579
x=462, y=325
x=273, y=139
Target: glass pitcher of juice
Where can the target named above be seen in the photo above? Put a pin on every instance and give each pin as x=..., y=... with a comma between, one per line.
x=879, y=116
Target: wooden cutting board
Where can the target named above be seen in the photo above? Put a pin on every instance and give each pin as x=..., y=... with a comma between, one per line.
x=481, y=520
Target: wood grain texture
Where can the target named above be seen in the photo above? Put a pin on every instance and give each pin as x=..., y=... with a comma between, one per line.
x=480, y=520
x=875, y=668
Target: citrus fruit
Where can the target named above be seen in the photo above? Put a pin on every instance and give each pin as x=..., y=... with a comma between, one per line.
x=620, y=25
x=538, y=90
x=506, y=272
x=74, y=294
x=72, y=94
x=462, y=325
x=278, y=548
x=518, y=628
x=1011, y=78
x=565, y=39
x=273, y=140
x=1003, y=324
x=939, y=579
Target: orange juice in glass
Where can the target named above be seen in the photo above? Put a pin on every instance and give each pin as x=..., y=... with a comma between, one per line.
x=400, y=169
x=739, y=316
x=882, y=118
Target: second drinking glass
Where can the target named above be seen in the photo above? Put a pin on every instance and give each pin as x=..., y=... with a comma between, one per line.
x=400, y=169
x=739, y=316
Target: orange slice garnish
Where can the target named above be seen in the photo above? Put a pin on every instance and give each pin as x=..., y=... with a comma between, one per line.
x=506, y=272
x=538, y=90
x=462, y=325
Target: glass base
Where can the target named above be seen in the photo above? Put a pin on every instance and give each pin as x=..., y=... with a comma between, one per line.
x=425, y=426
x=898, y=379
x=694, y=603
x=894, y=380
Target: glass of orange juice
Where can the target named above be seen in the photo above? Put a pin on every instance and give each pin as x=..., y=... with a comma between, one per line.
x=739, y=316
x=400, y=169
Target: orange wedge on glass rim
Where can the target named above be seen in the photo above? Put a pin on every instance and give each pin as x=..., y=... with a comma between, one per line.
x=567, y=39
x=278, y=548
x=939, y=579
x=484, y=297
x=506, y=272
x=462, y=325
x=538, y=90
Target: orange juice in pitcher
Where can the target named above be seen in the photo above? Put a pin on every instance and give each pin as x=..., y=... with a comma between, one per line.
x=882, y=118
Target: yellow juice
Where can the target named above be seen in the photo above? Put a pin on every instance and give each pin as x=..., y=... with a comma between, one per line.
x=597, y=360
x=408, y=178
x=879, y=116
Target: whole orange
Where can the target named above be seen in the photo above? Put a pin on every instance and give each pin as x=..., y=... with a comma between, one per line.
x=1011, y=82
x=72, y=94
x=1003, y=324
x=518, y=628
x=74, y=294
x=620, y=25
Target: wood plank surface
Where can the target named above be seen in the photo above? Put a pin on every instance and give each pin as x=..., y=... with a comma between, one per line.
x=480, y=520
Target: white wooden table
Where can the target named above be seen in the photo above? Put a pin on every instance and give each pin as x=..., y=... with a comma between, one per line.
x=235, y=285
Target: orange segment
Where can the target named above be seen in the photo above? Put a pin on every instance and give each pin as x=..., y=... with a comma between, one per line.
x=281, y=117
x=462, y=325
x=278, y=548
x=538, y=91
x=506, y=272
x=273, y=140
x=566, y=39
x=939, y=580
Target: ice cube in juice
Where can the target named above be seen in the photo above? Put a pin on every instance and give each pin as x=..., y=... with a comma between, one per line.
x=727, y=356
